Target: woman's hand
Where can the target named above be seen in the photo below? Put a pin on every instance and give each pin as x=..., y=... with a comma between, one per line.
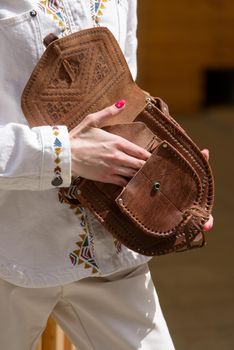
x=209, y=224
x=102, y=156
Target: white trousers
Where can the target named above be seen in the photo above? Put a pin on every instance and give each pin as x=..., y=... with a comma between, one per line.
x=119, y=312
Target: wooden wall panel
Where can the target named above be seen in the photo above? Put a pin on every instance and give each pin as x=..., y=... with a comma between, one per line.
x=178, y=41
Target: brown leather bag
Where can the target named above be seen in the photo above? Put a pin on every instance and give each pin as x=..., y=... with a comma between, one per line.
x=165, y=205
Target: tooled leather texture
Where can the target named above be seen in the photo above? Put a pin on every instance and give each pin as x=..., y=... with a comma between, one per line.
x=165, y=205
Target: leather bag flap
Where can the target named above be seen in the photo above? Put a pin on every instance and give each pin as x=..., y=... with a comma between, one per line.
x=161, y=191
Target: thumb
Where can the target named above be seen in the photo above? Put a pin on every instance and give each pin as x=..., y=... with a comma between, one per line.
x=206, y=153
x=101, y=118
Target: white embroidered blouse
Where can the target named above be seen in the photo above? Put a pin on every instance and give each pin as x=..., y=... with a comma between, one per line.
x=43, y=242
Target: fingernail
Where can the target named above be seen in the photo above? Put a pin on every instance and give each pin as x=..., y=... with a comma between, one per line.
x=119, y=104
x=207, y=227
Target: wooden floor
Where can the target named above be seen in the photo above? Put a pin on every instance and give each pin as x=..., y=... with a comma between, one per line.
x=196, y=289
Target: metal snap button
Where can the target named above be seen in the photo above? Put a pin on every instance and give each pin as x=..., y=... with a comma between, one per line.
x=156, y=186
x=33, y=13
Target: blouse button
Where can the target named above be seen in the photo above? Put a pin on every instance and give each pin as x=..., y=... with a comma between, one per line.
x=57, y=181
x=33, y=13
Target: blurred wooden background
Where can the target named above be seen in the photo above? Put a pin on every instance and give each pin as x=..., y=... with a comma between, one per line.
x=54, y=338
x=178, y=42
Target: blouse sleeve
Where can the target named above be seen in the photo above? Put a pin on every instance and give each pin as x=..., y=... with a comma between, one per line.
x=34, y=159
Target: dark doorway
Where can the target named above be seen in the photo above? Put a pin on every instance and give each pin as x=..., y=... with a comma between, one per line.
x=219, y=87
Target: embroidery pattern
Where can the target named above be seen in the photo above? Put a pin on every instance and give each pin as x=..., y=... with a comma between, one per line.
x=56, y=11
x=57, y=180
x=97, y=10
x=84, y=254
x=99, y=7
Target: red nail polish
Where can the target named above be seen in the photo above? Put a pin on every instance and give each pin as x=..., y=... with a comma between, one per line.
x=207, y=228
x=119, y=104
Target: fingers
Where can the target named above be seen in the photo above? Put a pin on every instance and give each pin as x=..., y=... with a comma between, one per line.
x=99, y=119
x=209, y=224
x=207, y=227
x=126, y=172
x=123, y=160
x=117, y=180
x=132, y=149
x=206, y=153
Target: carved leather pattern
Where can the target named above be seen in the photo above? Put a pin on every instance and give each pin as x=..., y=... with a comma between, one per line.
x=65, y=87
